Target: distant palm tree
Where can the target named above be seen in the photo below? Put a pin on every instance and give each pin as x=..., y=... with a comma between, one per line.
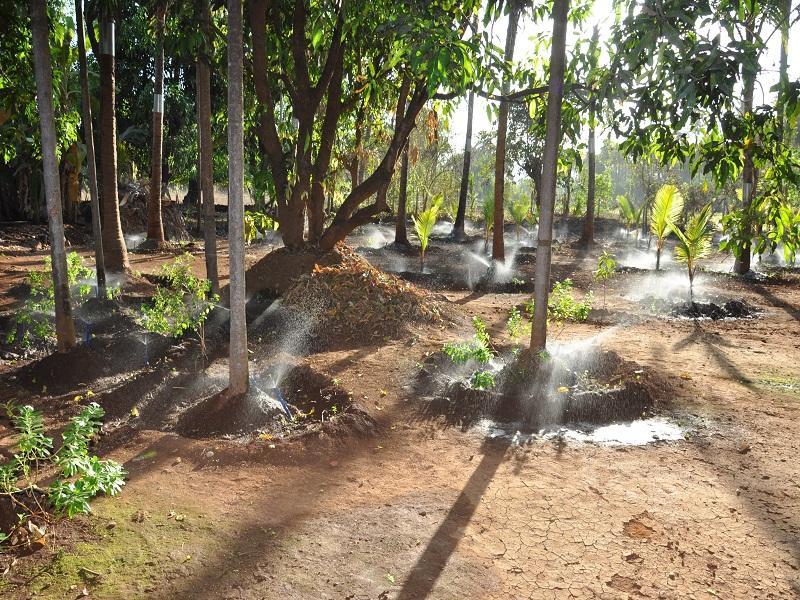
x=155, y=226
x=116, y=254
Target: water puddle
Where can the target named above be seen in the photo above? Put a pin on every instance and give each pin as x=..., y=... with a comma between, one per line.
x=631, y=433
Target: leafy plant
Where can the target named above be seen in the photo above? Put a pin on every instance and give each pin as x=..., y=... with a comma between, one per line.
x=606, y=267
x=35, y=317
x=424, y=226
x=482, y=380
x=667, y=209
x=477, y=349
x=488, y=221
x=517, y=325
x=257, y=224
x=694, y=242
x=81, y=476
x=520, y=211
x=181, y=306
x=562, y=307
x=628, y=213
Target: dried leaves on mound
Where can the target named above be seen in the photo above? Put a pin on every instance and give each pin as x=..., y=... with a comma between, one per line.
x=355, y=301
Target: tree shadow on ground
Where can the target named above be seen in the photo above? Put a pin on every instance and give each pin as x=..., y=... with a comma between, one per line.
x=432, y=562
x=788, y=308
x=714, y=344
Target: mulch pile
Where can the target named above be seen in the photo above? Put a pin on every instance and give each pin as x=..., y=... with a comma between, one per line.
x=354, y=301
x=133, y=212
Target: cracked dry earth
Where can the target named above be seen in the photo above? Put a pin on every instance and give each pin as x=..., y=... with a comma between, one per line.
x=422, y=511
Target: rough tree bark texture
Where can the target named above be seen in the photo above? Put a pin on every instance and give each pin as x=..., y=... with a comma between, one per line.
x=116, y=254
x=742, y=263
x=587, y=237
x=65, y=327
x=238, y=382
x=400, y=233
x=91, y=165
x=498, y=247
x=552, y=140
x=155, y=227
x=206, y=148
x=461, y=213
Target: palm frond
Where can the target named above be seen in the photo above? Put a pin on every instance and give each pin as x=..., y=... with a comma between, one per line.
x=667, y=209
x=627, y=211
x=424, y=224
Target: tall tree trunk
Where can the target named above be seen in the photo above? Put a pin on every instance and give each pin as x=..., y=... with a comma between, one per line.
x=116, y=254
x=742, y=263
x=587, y=237
x=551, y=145
x=155, y=226
x=206, y=147
x=783, y=69
x=458, y=227
x=238, y=382
x=91, y=166
x=498, y=247
x=65, y=327
x=400, y=234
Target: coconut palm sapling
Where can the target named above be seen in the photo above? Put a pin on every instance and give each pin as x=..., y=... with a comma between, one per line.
x=694, y=243
x=667, y=209
x=423, y=225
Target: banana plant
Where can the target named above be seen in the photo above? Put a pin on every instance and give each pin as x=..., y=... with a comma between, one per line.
x=694, y=242
x=629, y=214
x=667, y=208
x=424, y=224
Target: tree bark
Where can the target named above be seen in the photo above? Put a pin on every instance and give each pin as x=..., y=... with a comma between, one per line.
x=115, y=252
x=498, y=246
x=238, y=382
x=587, y=237
x=65, y=327
x=206, y=147
x=91, y=165
x=458, y=227
x=742, y=263
x=552, y=141
x=155, y=226
x=400, y=233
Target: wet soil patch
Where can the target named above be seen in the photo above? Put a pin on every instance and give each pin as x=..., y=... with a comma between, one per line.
x=604, y=390
x=732, y=309
x=317, y=405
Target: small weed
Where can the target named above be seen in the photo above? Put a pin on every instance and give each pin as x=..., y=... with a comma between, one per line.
x=482, y=380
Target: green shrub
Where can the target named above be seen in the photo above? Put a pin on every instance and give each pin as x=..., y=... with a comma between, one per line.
x=482, y=380
x=81, y=476
x=36, y=315
x=257, y=223
x=182, y=305
x=477, y=349
x=606, y=267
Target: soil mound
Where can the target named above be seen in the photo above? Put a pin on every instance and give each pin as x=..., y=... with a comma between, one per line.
x=279, y=270
x=602, y=390
x=316, y=404
x=354, y=301
x=732, y=309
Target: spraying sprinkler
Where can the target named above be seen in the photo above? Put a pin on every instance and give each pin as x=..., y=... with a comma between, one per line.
x=276, y=392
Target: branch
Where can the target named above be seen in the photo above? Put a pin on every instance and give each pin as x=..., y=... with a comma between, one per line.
x=517, y=96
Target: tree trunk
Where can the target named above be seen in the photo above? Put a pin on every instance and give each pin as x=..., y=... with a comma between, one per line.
x=783, y=69
x=742, y=263
x=400, y=234
x=498, y=247
x=91, y=166
x=238, y=382
x=206, y=147
x=458, y=227
x=552, y=141
x=155, y=226
x=116, y=254
x=65, y=327
x=587, y=237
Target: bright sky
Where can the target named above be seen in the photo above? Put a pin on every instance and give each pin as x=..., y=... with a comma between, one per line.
x=603, y=17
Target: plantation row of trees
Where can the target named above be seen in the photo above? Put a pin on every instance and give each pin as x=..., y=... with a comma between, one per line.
x=302, y=99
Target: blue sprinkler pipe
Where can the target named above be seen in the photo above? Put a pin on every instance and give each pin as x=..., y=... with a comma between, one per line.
x=279, y=395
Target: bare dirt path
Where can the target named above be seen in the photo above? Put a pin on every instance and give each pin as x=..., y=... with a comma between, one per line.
x=424, y=511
